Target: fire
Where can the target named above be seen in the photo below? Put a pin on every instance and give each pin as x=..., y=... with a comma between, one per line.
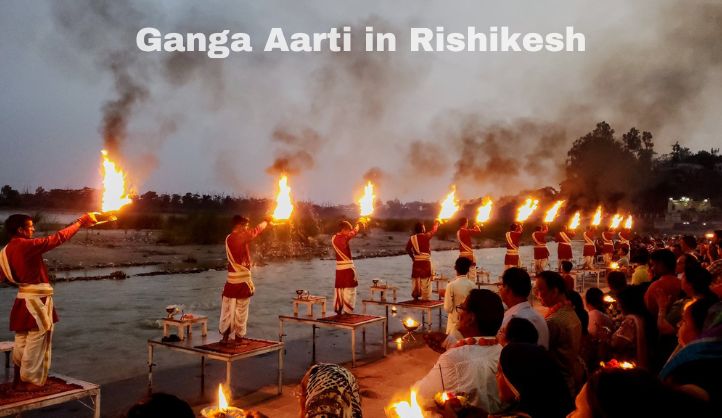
x=628, y=222
x=367, y=201
x=410, y=409
x=597, y=216
x=114, y=194
x=410, y=322
x=484, y=212
x=284, y=207
x=574, y=223
x=552, y=213
x=222, y=402
x=525, y=210
x=627, y=365
x=614, y=265
x=616, y=220
x=444, y=397
x=449, y=206
x=609, y=299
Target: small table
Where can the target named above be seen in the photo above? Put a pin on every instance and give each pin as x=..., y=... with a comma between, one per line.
x=85, y=390
x=185, y=324
x=309, y=301
x=7, y=348
x=579, y=277
x=382, y=290
x=437, y=280
x=483, y=277
x=425, y=306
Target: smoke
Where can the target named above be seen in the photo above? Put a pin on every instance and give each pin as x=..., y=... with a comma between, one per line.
x=295, y=150
x=375, y=175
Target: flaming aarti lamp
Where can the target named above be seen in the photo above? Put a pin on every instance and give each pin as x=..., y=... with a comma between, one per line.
x=223, y=410
x=172, y=310
x=410, y=325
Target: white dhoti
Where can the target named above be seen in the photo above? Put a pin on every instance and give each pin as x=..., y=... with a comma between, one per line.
x=540, y=264
x=234, y=316
x=344, y=299
x=607, y=257
x=422, y=287
x=33, y=349
x=588, y=261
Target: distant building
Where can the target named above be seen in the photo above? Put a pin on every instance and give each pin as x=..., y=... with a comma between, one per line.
x=685, y=209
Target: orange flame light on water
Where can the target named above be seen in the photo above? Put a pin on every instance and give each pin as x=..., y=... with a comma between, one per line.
x=410, y=409
x=114, y=194
x=526, y=209
x=484, y=212
x=284, y=207
x=597, y=216
x=628, y=222
x=574, y=223
x=616, y=220
x=367, y=201
x=449, y=206
x=552, y=212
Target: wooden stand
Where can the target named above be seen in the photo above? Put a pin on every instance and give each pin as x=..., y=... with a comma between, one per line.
x=425, y=306
x=580, y=276
x=349, y=322
x=184, y=325
x=203, y=348
x=437, y=284
x=86, y=390
x=309, y=301
x=382, y=290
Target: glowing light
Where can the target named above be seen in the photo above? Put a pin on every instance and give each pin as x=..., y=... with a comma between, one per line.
x=366, y=202
x=628, y=222
x=410, y=409
x=449, y=206
x=410, y=323
x=552, y=212
x=222, y=402
x=616, y=221
x=597, y=217
x=114, y=193
x=614, y=265
x=574, y=223
x=608, y=299
x=484, y=212
x=526, y=209
x=284, y=207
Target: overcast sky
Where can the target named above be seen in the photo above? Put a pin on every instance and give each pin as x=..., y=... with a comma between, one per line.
x=425, y=120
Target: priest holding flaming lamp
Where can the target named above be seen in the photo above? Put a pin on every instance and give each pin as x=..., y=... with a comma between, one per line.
x=464, y=234
x=513, y=237
x=625, y=235
x=608, y=239
x=590, y=247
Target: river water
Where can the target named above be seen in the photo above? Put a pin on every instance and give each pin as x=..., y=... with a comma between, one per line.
x=104, y=325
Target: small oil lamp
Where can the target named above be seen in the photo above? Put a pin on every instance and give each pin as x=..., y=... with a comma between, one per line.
x=172, y=310
x=614, y=265
x=411, y=325
x=616, y=364
x=608, y=299
x=223, y=410
x=399, y=344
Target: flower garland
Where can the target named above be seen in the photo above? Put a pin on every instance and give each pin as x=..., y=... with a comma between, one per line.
x=482, y=341
x=556, y=307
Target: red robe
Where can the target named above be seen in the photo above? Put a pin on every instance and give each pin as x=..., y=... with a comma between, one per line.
x=511, y=258
x=590, y=248
x=608, y=239
x=421, y=268
x=540, y=245
x=564, y=250
x=25, y=257
x=238, y=243
x=624, y=237
x=347, y=277
x=463, y=235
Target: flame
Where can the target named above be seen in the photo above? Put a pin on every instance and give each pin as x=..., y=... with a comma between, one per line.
x=409, y=322
x=444, y=397
x=399, y=343
x=614, y=265
x=222, y=402
x=628, y=222
x=449, y=206
x=484, y=212
x=367, y=201
x=574, y=223
x=410, y=409
x=616, y=220
x=284, y=207
x=597, y=216
x=552, y=213
x=526, y=209
x=608, y=299
x=114, y=194
x=627, y=365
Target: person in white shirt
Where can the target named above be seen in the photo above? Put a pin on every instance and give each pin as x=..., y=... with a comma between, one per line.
x=470, y=365
x=514, y=290
x=456, y=293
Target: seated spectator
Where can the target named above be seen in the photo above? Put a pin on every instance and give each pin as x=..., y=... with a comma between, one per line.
x=161, y=405
x=689, y=245
x=514, y=290
x=578, y=304
x=565, y=328
x=616, y=281
x=662, y=263
x=470, y=366
x=600, y=324
x=623, y=260
x=566, y=269
x=641, y=271
x=520, y=330
x=634, y=393
x=529, y=378
x=456, y=293
x=329, y=390
x=632, y=339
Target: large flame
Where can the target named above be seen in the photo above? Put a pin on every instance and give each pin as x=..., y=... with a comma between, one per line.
x=410, y=409
x=597, y=216
x=222, y=402
x=574, y=223
x=552, y=212
x=526, y=209
x=449, y=206
x=114, y=194
x=284, y=207
x=616, y=220
x=367, y=201
x=628, y=222
x=484, y=212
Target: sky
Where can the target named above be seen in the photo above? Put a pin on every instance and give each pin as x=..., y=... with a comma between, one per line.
x=491, y=123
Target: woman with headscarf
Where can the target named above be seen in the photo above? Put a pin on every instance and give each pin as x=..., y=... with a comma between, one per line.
x=529, y=377
x=330, y=391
